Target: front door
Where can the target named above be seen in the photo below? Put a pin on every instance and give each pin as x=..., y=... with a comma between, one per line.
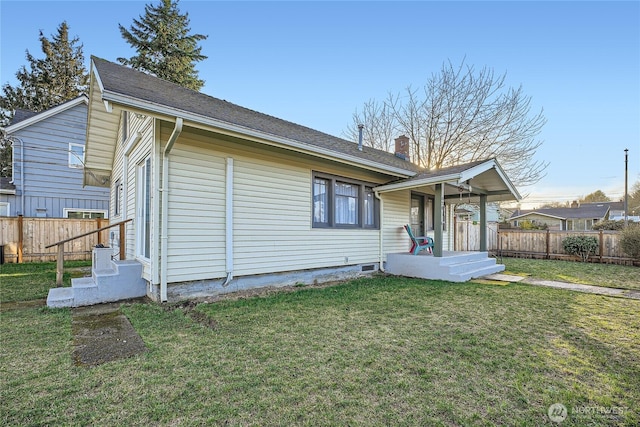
x=417, y=215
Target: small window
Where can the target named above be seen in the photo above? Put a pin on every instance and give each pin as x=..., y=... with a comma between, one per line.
x=4, y=209
x=84, y=214
x=76, y=155
x=117, y=203
x=125, y=126
x=343, y=203
x=143, y=184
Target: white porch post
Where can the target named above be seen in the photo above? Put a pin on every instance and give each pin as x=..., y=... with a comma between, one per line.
x=437, y=220
x=483, y=222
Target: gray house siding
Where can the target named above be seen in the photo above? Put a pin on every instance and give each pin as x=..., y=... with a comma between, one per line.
x=50, y=185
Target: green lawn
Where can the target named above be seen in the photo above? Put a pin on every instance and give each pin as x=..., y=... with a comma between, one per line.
x=29, y=281
x=378, y=351
x=607, y=275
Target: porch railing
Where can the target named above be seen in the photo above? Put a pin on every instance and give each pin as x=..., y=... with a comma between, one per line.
x=60, y=245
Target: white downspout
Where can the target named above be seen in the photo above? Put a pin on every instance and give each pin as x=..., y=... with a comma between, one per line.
x=13, y=163
x=165, y=208
x=381, y=234
x=229, y=222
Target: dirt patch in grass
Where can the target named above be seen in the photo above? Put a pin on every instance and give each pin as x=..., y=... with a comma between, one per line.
x=102, y=334
x=188, y=307
x=19, y=305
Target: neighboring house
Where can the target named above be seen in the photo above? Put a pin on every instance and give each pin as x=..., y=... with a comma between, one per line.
x=616, y=212
x=578, y=217
x=48, y=156
x=224, y=198
x=469, y=212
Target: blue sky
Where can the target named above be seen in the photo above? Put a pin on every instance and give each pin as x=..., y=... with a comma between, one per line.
x=315, y=63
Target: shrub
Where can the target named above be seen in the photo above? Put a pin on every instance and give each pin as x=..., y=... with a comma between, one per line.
x=582, y=246
x=630, y=241
x=609, y=224
x=532, y=225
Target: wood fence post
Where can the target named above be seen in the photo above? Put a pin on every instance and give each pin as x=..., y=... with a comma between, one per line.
x=548, y=244
x=123, y=241
x=601, y=245
x=20, y=238
x=60, y=265
x=99, y=233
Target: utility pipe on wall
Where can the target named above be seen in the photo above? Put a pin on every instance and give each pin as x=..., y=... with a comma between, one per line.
x=229, y=222
x=381, y=234
x=165, y=208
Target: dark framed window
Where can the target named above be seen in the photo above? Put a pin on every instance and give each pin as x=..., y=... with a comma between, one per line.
x=125, y=126
x=343, y=203
x=118, y=198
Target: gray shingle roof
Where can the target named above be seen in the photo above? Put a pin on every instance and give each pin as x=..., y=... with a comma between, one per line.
x=132, y=83
x=586, y=211
x=20, y=115
x=5, y=184
x=451, y=170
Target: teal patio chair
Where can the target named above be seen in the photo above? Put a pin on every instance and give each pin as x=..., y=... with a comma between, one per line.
x=419, y=243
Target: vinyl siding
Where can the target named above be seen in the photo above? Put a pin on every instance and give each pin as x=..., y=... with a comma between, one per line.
x=271, y=212
x=396, y=213
x=143, y=148
x=50, y=185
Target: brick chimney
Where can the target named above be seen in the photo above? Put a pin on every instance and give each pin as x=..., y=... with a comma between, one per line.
x=402, y=147
x=575, y=204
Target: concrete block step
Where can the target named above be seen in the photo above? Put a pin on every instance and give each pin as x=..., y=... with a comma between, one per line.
x=60, y=297
x=471, y=265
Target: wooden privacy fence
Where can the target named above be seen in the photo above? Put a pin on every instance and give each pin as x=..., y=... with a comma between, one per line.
x=542, y=244
x=24, y=239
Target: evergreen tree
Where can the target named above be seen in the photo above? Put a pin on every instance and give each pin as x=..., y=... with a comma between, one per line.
x=164, y=46
x=5, y=157
x=50, y=81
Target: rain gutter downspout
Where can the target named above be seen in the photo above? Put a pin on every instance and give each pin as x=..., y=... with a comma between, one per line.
x=229, y=222
x=21, y=176
x=381, y=234
x=165, y=208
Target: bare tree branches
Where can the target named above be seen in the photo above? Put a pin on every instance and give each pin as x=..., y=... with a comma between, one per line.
x=461, y=115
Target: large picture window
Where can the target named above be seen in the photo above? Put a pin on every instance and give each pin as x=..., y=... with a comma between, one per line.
x=343, y=203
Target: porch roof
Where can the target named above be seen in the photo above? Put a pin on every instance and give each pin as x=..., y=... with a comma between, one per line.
x=470, y=180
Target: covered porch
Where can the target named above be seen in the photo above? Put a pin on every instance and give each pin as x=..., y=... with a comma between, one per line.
x=478, y=182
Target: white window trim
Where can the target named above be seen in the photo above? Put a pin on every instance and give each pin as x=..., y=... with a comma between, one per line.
x=73, y=156
x=118, y=198
x=65, y=211
x=140, y=212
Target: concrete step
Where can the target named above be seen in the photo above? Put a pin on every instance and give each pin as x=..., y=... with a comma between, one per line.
x=115, y=281
x=480, y=272
x=471, y=265
x=60, y=297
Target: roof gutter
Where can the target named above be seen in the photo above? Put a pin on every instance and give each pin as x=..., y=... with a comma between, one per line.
x=164, y=191
x=113, y=97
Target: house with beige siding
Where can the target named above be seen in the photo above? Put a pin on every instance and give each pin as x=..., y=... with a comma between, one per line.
x=578, y=217
x=222, y=198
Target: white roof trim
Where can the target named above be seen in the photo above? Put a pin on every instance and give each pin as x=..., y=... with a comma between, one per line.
x=451, y=178
x=536, y=213
x=117, y=98
x=456, y=179
x=47, y=113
